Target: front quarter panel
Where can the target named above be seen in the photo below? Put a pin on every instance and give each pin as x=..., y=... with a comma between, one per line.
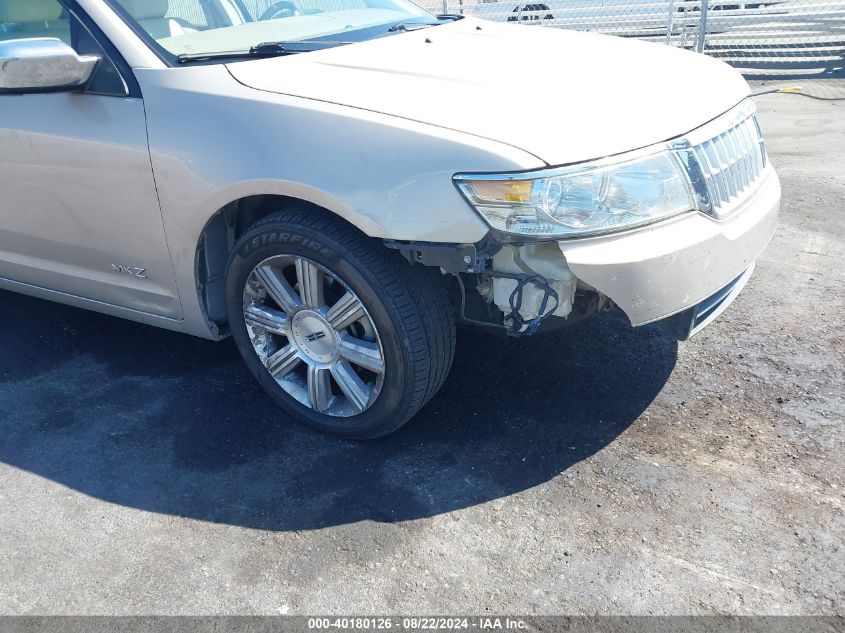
x=213, y=141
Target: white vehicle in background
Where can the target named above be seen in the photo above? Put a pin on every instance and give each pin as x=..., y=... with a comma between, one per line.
x=636, y=18
x=622, y=17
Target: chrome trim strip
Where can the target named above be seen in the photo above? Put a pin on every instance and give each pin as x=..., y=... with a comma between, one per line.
x=733, y=158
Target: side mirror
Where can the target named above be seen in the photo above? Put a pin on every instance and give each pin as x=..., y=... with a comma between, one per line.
x=43, y=65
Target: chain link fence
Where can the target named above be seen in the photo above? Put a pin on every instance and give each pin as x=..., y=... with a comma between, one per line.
x=763, y=38
x=799, y=38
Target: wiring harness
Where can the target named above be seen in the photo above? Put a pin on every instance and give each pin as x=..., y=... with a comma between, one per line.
x=514, y=322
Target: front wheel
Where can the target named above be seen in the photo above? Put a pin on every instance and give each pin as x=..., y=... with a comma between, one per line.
x=345, y=335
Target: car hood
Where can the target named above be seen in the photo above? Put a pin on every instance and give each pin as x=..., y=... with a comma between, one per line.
x=562, y=96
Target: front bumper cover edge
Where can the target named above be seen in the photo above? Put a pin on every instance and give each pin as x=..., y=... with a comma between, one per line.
x=667, y=268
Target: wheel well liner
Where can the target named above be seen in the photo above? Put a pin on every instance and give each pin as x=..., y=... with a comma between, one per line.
x=219, y=237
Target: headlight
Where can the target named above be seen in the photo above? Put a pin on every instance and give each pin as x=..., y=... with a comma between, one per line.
x=582, y=199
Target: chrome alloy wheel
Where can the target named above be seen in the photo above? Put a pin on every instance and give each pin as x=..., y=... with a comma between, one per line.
x=314, y=335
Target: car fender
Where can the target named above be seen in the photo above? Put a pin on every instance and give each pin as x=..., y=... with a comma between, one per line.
x=213, y=141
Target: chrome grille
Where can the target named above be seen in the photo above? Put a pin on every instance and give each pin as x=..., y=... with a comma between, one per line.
x=731, y=163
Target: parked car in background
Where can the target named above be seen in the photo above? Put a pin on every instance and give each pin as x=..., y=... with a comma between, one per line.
x=335, y=184
x=530, y=13
x=637, y=18
x=629, y=17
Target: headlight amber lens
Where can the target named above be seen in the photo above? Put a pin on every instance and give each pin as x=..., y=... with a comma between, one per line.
x=582, y=199
x=508, y=191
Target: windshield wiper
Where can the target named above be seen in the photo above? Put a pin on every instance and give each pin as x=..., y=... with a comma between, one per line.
x=264, y=49
x=411, y=26
x=301, y=46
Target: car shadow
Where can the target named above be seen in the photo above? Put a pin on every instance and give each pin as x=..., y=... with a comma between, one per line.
x=173, y=424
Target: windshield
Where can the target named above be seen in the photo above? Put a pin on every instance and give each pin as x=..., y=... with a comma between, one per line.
x=190, y=28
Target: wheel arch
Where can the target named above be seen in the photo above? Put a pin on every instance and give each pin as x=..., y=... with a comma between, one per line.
x=232, y=219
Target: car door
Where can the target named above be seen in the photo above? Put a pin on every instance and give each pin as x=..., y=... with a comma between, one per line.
x=79, y=212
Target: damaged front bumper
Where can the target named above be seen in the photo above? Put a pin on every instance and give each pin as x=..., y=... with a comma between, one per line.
x=674, y=267
x=682, y=272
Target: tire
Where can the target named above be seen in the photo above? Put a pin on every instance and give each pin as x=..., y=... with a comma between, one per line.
x=406, y=319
